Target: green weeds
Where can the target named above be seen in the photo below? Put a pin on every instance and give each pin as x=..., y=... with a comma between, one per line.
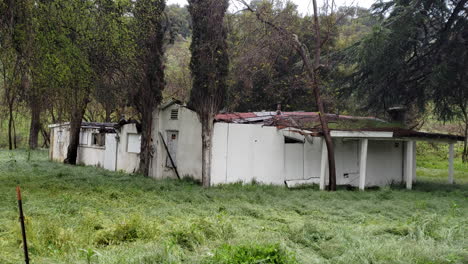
x=89, y=215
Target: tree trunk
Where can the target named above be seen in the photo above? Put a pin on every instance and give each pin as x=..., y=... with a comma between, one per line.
x=10, y=127
x=313, y=78
x=207, y=133
x=318, y=98
x=75, y=128
x=35, y=126
x=465, y=144
x=15, y=145
x=107, y=118
x=146, y=152
x=46, y=138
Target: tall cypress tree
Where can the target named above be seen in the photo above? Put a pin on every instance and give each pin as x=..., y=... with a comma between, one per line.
x=147, y=94
x=209, y=66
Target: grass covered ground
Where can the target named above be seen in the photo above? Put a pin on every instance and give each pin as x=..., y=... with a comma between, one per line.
x=89, y=215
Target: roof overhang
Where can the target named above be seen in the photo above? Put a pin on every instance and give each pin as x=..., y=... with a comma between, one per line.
x=58, y=125
x=360, y=134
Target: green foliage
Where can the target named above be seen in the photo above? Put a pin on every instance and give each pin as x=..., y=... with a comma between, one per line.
x=417, y=54
x=210, y=61
x=86, y=214
x=179, y=22
x=244, y=254
x=265, y=69
x=435, y=156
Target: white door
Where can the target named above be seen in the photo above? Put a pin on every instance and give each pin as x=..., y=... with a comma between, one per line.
x=110, y=153
x=172, y=139
x=294, y=161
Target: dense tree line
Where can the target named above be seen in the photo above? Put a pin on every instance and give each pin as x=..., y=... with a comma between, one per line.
x=99, y=60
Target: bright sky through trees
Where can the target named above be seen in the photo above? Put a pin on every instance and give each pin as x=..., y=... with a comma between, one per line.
x=304, y=6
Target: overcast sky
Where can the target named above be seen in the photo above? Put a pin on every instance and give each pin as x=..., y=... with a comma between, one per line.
x=304, y=6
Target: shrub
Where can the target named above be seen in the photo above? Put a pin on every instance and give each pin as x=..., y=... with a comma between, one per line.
x=308, y=235
x=125, y=231
x=243, y=254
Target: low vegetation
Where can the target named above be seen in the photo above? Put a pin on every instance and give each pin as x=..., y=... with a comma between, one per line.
x=89, y=215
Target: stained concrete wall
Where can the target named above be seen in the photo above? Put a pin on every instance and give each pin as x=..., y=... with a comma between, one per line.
x=59, y=138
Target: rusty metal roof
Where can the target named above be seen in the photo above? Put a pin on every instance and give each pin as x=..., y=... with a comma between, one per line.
x=310, y=121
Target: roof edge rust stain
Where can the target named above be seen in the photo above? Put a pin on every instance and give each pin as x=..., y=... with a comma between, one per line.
x=310, y=121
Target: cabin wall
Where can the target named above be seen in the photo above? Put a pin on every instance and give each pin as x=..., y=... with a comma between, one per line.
x=128, y=149
x=249, y=152
x=384, y=163
x=241, y=152
x=182, y=135
x=59, y=143
x=89, y=154
x=246, y=152
x=347, y=153
x=100, y=156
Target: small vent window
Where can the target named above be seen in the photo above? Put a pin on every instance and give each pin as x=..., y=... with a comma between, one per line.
x=175, y=114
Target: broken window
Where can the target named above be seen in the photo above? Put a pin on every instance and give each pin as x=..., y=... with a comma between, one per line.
x=99, y=139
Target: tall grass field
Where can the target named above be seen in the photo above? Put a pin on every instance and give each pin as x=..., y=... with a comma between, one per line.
x=90, y=215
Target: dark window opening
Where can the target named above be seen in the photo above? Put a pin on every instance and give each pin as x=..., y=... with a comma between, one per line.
x=290, y=140
x=99, y=139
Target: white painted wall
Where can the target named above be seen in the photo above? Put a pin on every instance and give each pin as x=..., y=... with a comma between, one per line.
x=189, y=147
x=384, y=162
x=59, y=143
x=92, y=155
x=127, y=161
x=246, y=152
x=110, y=153
x=241, y=153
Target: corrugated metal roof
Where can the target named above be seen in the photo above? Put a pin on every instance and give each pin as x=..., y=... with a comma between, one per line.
x=310, y=121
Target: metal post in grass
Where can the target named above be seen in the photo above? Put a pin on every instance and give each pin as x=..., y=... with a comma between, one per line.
x=23, y=229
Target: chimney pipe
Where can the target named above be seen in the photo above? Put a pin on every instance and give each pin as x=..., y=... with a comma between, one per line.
x=397, y=114
x=278, y=109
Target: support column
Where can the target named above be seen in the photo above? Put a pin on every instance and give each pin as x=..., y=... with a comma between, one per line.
x=409, y=164
x=323, y=164
x=363, y=164
x=451, y=155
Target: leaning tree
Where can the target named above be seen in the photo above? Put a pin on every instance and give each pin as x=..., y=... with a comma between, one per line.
x=312, y=68
x=209, y=67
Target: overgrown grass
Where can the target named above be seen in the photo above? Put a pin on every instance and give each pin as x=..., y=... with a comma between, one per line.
x=432, y=162
x=89, y=215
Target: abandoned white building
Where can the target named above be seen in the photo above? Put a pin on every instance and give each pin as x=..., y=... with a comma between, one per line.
x=266, y=147
x=101, y=144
